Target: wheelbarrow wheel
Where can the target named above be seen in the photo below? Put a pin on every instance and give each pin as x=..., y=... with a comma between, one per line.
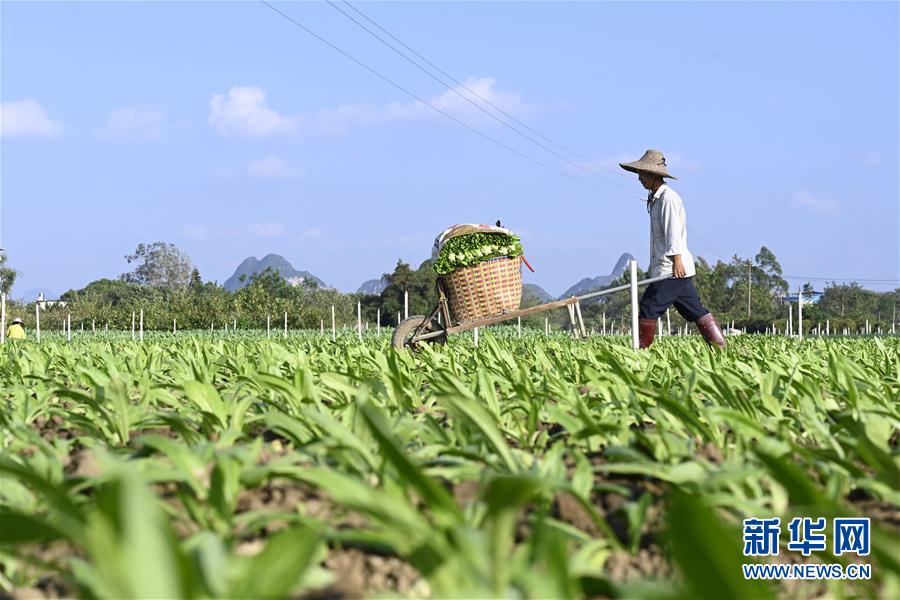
x=405, y=331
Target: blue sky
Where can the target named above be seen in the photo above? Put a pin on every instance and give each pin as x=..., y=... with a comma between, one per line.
x=231, y=132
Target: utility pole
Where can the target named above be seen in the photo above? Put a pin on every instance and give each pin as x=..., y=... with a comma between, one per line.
x=749, y=282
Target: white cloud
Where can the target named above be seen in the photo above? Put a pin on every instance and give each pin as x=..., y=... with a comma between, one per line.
x=463, y=102
x=267, y=229
x=806, y=201
x=679, y=162
x=205, y=232
x=873, y=159
x=244, y=112
x=195, y=232
x=27, y=118
x=309, y=234
x=139, y=122
x=272, y=167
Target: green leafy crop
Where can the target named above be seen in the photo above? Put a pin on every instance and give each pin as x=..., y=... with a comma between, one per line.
x=468, y=250
x=232, y=465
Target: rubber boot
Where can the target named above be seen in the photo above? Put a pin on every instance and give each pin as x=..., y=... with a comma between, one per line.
x=646, y=332
x=710, y=331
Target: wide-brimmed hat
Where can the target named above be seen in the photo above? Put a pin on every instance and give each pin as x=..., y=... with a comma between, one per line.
x=652, y=161
x=17, y=320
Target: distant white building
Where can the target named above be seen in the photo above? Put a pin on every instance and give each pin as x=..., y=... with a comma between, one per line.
x=810, y=298
x=45, y=304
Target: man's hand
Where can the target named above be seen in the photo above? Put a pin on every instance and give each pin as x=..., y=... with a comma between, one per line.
x=677, y=266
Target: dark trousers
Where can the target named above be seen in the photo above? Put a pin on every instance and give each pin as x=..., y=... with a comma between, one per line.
x=680, y=293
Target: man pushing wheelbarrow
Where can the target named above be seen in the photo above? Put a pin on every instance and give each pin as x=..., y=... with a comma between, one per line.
x=669, y=255
x=480, y=280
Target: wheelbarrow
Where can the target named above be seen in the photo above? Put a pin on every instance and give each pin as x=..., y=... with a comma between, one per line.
x=437, y=325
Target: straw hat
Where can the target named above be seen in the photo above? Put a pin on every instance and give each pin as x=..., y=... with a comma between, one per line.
x=17, y=320
x=652, y=161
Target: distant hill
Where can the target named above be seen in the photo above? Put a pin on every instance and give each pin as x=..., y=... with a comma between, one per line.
x=251, y=266
x=535, y=291
x=32, y=295
x=373, y=287
x=590, y=284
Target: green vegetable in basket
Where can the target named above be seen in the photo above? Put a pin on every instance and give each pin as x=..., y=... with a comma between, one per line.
x=468, y=250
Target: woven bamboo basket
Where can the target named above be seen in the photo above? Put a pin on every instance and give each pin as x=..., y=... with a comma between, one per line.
x=488, y=289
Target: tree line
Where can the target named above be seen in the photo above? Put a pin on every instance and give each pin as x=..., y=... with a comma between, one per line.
x=168, y=287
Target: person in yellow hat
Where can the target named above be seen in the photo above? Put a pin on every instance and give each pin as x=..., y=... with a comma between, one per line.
x=669, y=255
x=16, y=329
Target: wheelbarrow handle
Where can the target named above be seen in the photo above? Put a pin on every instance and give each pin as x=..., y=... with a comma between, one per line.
x=527, y=264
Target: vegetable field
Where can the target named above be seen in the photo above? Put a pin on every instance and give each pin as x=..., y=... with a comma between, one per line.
x=234, y=466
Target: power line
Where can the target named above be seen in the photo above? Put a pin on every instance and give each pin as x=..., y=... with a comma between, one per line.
x=500, y=110
x=435, y=108
x=860, y=279
x=717, y=253
x=456, y=91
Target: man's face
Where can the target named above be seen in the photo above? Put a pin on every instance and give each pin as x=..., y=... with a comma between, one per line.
x=646, y=180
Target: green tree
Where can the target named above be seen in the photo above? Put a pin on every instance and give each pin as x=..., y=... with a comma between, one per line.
x=196, y=283
x=7, y=275
x=420, y=284
x=768, y=274
x=849, y=305
x=160, y=265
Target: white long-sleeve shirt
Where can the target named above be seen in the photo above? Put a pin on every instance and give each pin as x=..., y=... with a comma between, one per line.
x=668, y=233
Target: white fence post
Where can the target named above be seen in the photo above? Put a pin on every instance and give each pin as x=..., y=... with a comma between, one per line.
x=268, y=325
x=142, y=324
x=359, y=320
x=68, y=327
x=405, y=304
x=635, y=342
x=37, y=320
x=668, y=323
x=604, y=322
x=800, y=313
x=333, y=330
x=790, y=323
x=132, y=324
x=174, y=326
x=475, y=333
